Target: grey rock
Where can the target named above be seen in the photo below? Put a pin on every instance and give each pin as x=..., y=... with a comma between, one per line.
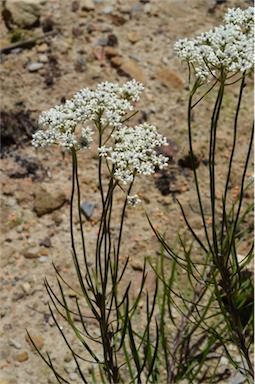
x=102, y=42
x=87, y=209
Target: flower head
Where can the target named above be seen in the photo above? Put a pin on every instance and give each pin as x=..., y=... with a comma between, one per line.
x=133, y=200
x=228, y=48
x=66, y=125
x=134, y=152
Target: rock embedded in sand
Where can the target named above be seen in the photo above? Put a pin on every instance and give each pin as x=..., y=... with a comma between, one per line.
x=87, y=5
x=34, y=67
x=45, y=202
x=30, y=255
x=5, y=381
x=87, y=209
x=170, y=79
x=42, y=48
x=137, y=264
x=133, y=37
x=131, y=69
x=22, y=356
x=37, y=341
x=111, y=52
x=116, y=61
x=24, y=13
x=15, y=344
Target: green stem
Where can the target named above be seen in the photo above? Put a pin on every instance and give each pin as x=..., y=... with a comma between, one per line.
x=74, y=253
x=75, y=162
x=231, y=157
x=213, y=131
x=242, y=189
x=193, y=164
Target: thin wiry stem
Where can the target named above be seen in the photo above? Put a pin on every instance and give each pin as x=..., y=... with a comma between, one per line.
x=213, y=132
x=232, y=155
x=193, y=166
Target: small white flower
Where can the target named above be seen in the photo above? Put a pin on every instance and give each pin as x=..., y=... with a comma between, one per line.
x=133, y=200
x=103, y=151
x=132, y=90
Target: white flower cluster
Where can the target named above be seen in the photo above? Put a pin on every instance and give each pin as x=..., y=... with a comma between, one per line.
x=106, y=106
x=134, y=152
x=228, y=48
x=133, y=200
x=133, y=148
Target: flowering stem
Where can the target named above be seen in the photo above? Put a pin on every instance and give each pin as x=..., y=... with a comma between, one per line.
x=193, y=163
x=242, y=189
x=206, y=93
x=231, y=157
x=213, y=131
x=75, y=257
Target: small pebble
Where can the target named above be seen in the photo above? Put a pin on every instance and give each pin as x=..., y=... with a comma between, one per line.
x=34, y=67
x=137, y=8
x=107, y=10
x=30, y=255
x=43, y=259
x=44, y=251
x=133, y=37
x=87, y=5
x=37, y=340
x=165, y=60
x=43, y=58
x=16, y=51
x=46, y=242
x=14, y=343
x=26, y=287
x=111, y=52
x=69, y=368
x=22, y=356
x=75, y=6
x=7, y=326
x=42, y=48
x=137, y=265
x=147, y=8
x=68, y=357
x=112, y=40
x=102, y=42
x=73, y=376
x=116, y=61
x=87, y=209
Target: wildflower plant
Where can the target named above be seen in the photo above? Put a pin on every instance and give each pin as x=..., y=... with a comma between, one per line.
x=215, y=311
x=126, y=151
